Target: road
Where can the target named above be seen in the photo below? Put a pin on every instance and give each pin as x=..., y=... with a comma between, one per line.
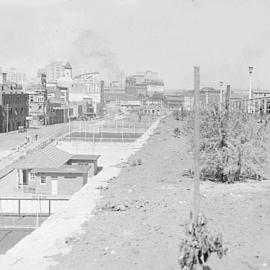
x=15, y=139
x=13, y=145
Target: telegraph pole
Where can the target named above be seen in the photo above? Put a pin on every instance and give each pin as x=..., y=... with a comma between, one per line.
x=44, y=88
x=7, y=108
x=220, y=95
x=196, y=189
x=250, y=105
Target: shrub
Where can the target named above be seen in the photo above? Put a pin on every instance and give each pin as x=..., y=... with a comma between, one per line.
x=232, y=145
x=198, y=245
x=176, y=132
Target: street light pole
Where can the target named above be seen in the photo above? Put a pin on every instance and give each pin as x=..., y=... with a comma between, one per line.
x=7, y=108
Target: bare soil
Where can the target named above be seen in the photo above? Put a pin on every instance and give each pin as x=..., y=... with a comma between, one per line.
x=156, y=200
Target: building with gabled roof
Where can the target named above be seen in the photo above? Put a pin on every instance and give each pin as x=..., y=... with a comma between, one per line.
x=52, y=171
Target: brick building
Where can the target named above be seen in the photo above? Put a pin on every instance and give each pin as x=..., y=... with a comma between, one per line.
x=13, y=105
x=144, y=83
x=51, y=171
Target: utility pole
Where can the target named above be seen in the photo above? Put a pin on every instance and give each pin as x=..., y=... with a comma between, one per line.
x=7, y=108
x=250, y=106
x=196, y=189
x=220, y=95
x=44, y=88
x=227, y=101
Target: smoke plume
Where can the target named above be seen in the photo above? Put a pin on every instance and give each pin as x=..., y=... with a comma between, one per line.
x=91, y=52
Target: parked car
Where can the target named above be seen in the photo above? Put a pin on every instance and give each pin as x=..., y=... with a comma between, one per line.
x=21, y=129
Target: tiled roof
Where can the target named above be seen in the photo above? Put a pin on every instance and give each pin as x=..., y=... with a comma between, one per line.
x=50, y=157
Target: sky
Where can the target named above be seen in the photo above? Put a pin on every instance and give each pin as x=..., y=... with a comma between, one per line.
x=120, y=37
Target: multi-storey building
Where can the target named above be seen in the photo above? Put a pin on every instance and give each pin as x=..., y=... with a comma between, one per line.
x=55, y=70
x=144, y=83
x=13, y=105
x=46, y=106
x=37, y=108
x=65, y=83
x=15, y=76
x=91, y=85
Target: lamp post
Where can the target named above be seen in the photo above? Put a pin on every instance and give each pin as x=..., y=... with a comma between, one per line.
x=45, y=102
x=7, y=108
x=250, y=107
x=220, y=94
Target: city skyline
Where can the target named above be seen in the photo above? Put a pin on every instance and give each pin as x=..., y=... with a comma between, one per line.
x=120, y=37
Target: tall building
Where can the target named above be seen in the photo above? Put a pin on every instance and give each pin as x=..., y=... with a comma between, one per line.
x=55, y=70
x=15, y=76
x=64, y=83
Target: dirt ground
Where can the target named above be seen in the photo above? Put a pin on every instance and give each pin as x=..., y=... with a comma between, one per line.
x=158, y=199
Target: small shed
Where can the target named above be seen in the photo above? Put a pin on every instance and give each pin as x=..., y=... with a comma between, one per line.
x=85, y=160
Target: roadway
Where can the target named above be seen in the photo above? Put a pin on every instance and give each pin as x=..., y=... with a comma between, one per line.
x=14, y=139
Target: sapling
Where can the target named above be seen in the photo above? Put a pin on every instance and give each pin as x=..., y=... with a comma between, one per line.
x=198, y=245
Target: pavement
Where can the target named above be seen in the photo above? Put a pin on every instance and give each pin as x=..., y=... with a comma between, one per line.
x=15, y=139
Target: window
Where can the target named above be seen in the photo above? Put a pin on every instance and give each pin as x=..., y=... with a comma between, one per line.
x=32, y=177
x=43, y=180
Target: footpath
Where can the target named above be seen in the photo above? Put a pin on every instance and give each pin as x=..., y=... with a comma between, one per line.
x=140, y=219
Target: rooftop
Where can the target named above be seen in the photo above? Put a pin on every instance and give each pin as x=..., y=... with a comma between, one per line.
x=67, y=66
x=85, y=157
x=70, y=169
x=50, y=157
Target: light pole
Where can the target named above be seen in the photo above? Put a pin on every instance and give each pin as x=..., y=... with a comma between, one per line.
x=45, y=95
x=250, y=70
x=220, y=94
x=7, y=108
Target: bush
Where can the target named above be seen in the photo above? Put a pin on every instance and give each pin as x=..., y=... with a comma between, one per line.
x=232, y=145
x=198, y=245
x=176, y=132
